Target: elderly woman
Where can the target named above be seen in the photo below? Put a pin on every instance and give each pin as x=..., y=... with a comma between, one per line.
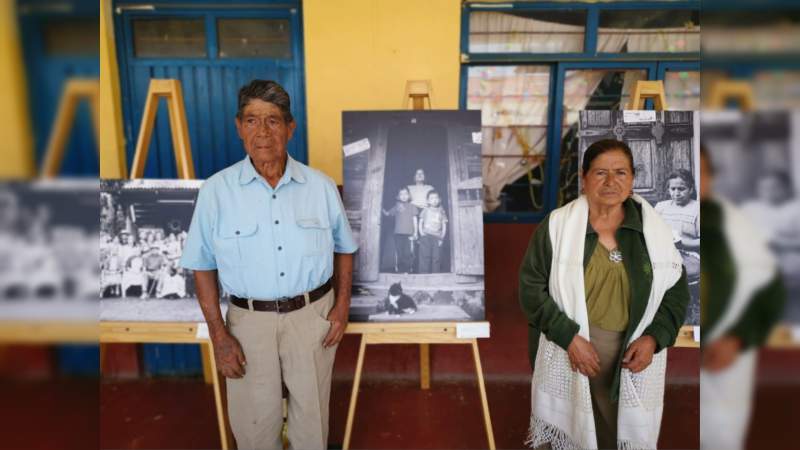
x=604, y=292
x=743, y=297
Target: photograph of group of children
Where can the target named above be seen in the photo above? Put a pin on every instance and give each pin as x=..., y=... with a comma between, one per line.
x=143, y=228
x=48, y=249
x=419, y=229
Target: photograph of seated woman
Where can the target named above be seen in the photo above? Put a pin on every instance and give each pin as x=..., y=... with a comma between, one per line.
x=682, y=213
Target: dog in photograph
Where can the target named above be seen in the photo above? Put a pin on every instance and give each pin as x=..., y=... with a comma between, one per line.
x=399, y=303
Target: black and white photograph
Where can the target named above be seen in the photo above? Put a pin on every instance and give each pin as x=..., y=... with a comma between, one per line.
x=413, y=194
x=666, y=156
x=757, y=169
x=48, y=250
x=143, y=226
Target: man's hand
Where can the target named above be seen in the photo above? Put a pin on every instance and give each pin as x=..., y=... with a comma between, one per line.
x=338, y=319
x=228, y=354
x=721, y=353
x=639, y=354
x=583, y=356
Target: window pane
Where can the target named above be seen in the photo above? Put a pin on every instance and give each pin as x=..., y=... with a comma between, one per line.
x=72, y=37
x=164, y=38
x=595, y=90
x=641, y=31
x=254, y=38
x=524, y=193
x=513, y=101
x=682, y=89
x=559, y=31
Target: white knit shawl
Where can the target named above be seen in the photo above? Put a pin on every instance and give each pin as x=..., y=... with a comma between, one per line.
x=561, y=405
x=727, y=395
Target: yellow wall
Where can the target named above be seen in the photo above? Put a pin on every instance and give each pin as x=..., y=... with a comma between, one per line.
x=112, y=139
x=359, y=54
x=16, y=134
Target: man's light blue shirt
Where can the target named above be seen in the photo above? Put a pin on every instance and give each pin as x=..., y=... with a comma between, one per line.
x=268, y=243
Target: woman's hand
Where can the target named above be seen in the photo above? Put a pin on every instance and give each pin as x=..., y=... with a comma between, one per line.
x=583, y=356
x=721, y=353
x=639, y=354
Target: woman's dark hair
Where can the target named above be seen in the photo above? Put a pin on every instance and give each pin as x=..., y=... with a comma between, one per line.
x=684, y=175
x=603, y=146
x=268, y=91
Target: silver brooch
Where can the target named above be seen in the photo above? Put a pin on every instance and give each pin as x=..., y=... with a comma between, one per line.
x=615, y=256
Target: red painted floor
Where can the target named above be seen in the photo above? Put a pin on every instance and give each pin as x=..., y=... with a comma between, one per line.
x=58, y=414
x=179, y=414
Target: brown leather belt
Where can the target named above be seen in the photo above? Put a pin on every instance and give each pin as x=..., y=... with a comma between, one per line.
x=285, y=304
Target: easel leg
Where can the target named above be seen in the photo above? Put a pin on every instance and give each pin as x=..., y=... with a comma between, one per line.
x=208, y=363
x=424, y=366
x=223, y=435
x=351, y=410
x=487, y=420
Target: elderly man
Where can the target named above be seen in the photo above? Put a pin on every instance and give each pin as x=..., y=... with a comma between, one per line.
x=273, y=233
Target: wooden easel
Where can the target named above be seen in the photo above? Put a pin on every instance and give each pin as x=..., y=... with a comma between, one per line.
x=421, y=333
x=644, y=90
x=168, y=332
x=171, y=90
x=75, y=91
x=723, y=91
x=654, y=90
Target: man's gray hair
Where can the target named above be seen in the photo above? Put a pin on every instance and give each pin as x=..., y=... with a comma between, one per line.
x=268, y=91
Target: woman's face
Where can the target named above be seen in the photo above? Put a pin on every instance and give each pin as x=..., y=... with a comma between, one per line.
x=609, y=180
x=679, y=191
x=419, y=176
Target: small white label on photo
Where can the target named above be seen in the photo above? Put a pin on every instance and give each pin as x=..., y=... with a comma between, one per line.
x=356, y=147
x=202, y=331
x=477, y=138
x=696, y=333
x=638, y=116
x=472, y=330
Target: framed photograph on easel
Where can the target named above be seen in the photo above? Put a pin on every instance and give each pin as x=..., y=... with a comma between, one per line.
x=413, y=194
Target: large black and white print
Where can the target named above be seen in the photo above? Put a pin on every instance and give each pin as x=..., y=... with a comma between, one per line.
x=48, y=250
x=413, y=196
x=666, y=155
x=143, y=226
x=757, y=167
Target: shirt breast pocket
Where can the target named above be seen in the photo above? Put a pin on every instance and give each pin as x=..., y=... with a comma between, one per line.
x=234, y=241
x=315, y=233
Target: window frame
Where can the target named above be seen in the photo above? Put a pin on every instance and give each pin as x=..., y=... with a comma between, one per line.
x=656, y=64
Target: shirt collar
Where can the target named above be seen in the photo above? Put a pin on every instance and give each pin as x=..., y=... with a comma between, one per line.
x=248, y=172
x=632, y=220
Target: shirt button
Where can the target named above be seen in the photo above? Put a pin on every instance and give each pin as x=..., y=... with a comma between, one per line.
x=237, y=232
x=277, y=222
x=281, y=273
x=274, y=196
x=280, y=248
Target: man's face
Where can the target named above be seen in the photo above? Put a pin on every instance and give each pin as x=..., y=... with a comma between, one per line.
x=264, y=132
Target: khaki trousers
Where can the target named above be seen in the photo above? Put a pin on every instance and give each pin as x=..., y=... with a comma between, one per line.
x=284, y=347
x=608, y=345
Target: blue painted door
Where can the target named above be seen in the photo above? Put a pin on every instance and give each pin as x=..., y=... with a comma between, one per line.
x=213, y=52
x=59, y=43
